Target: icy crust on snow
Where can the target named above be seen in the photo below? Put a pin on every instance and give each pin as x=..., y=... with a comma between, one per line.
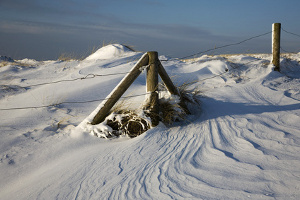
x=244, y=144
x=109, y=52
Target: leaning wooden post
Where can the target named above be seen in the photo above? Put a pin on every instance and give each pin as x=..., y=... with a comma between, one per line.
x=115, y=95
x=276, y=27
x=170, y=86
x=152, y=87
x=166, y=79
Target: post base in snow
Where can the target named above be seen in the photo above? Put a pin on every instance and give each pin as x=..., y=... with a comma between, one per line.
x=151, y=109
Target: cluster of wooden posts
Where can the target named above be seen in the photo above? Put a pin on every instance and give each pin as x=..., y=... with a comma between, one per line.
x=154, y=68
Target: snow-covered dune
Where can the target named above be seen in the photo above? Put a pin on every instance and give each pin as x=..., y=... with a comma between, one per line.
x=242, y=143
x=111, y=51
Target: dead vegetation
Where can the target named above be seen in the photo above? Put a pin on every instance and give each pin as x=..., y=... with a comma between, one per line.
x=65, y=57
x=124, y=121
x=127, y=122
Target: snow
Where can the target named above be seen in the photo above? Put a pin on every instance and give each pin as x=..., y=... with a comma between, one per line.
x=27, y=61
x=109, y=52
x=243, y=143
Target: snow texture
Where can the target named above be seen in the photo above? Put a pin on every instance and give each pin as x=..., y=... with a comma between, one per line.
x=243, y=143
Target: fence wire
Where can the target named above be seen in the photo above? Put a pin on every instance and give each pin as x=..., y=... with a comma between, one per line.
x=285, y=51
x=103, y=99
x=221, y=47
x=90, y=76
x=66, y=102
x=91, y=101
x=290, y=33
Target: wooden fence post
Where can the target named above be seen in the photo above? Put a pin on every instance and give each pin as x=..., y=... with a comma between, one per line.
x=154, y=68
x=152, y=87
x=115, y=95
x=276, y=27
x=166, y=79
x=170, y=86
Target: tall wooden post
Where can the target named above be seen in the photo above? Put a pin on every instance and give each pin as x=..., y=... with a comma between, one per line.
x=276, y=27
x=152, y=87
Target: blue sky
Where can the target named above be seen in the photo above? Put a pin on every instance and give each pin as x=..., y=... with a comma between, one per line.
x=44, y=29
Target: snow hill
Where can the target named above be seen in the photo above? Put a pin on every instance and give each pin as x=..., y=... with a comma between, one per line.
x=243, y=143
x=110, y=51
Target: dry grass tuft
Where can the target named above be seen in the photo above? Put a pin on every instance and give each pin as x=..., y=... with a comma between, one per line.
x=189, y=96
x=65, y=57
x=4, y=63
x=171, y=111
x=130, y=47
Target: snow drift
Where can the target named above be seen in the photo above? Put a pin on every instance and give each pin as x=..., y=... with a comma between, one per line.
x=110, y=51
x=244, y=144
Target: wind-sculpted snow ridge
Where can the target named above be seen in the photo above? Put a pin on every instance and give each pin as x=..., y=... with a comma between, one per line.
x=244, y=144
